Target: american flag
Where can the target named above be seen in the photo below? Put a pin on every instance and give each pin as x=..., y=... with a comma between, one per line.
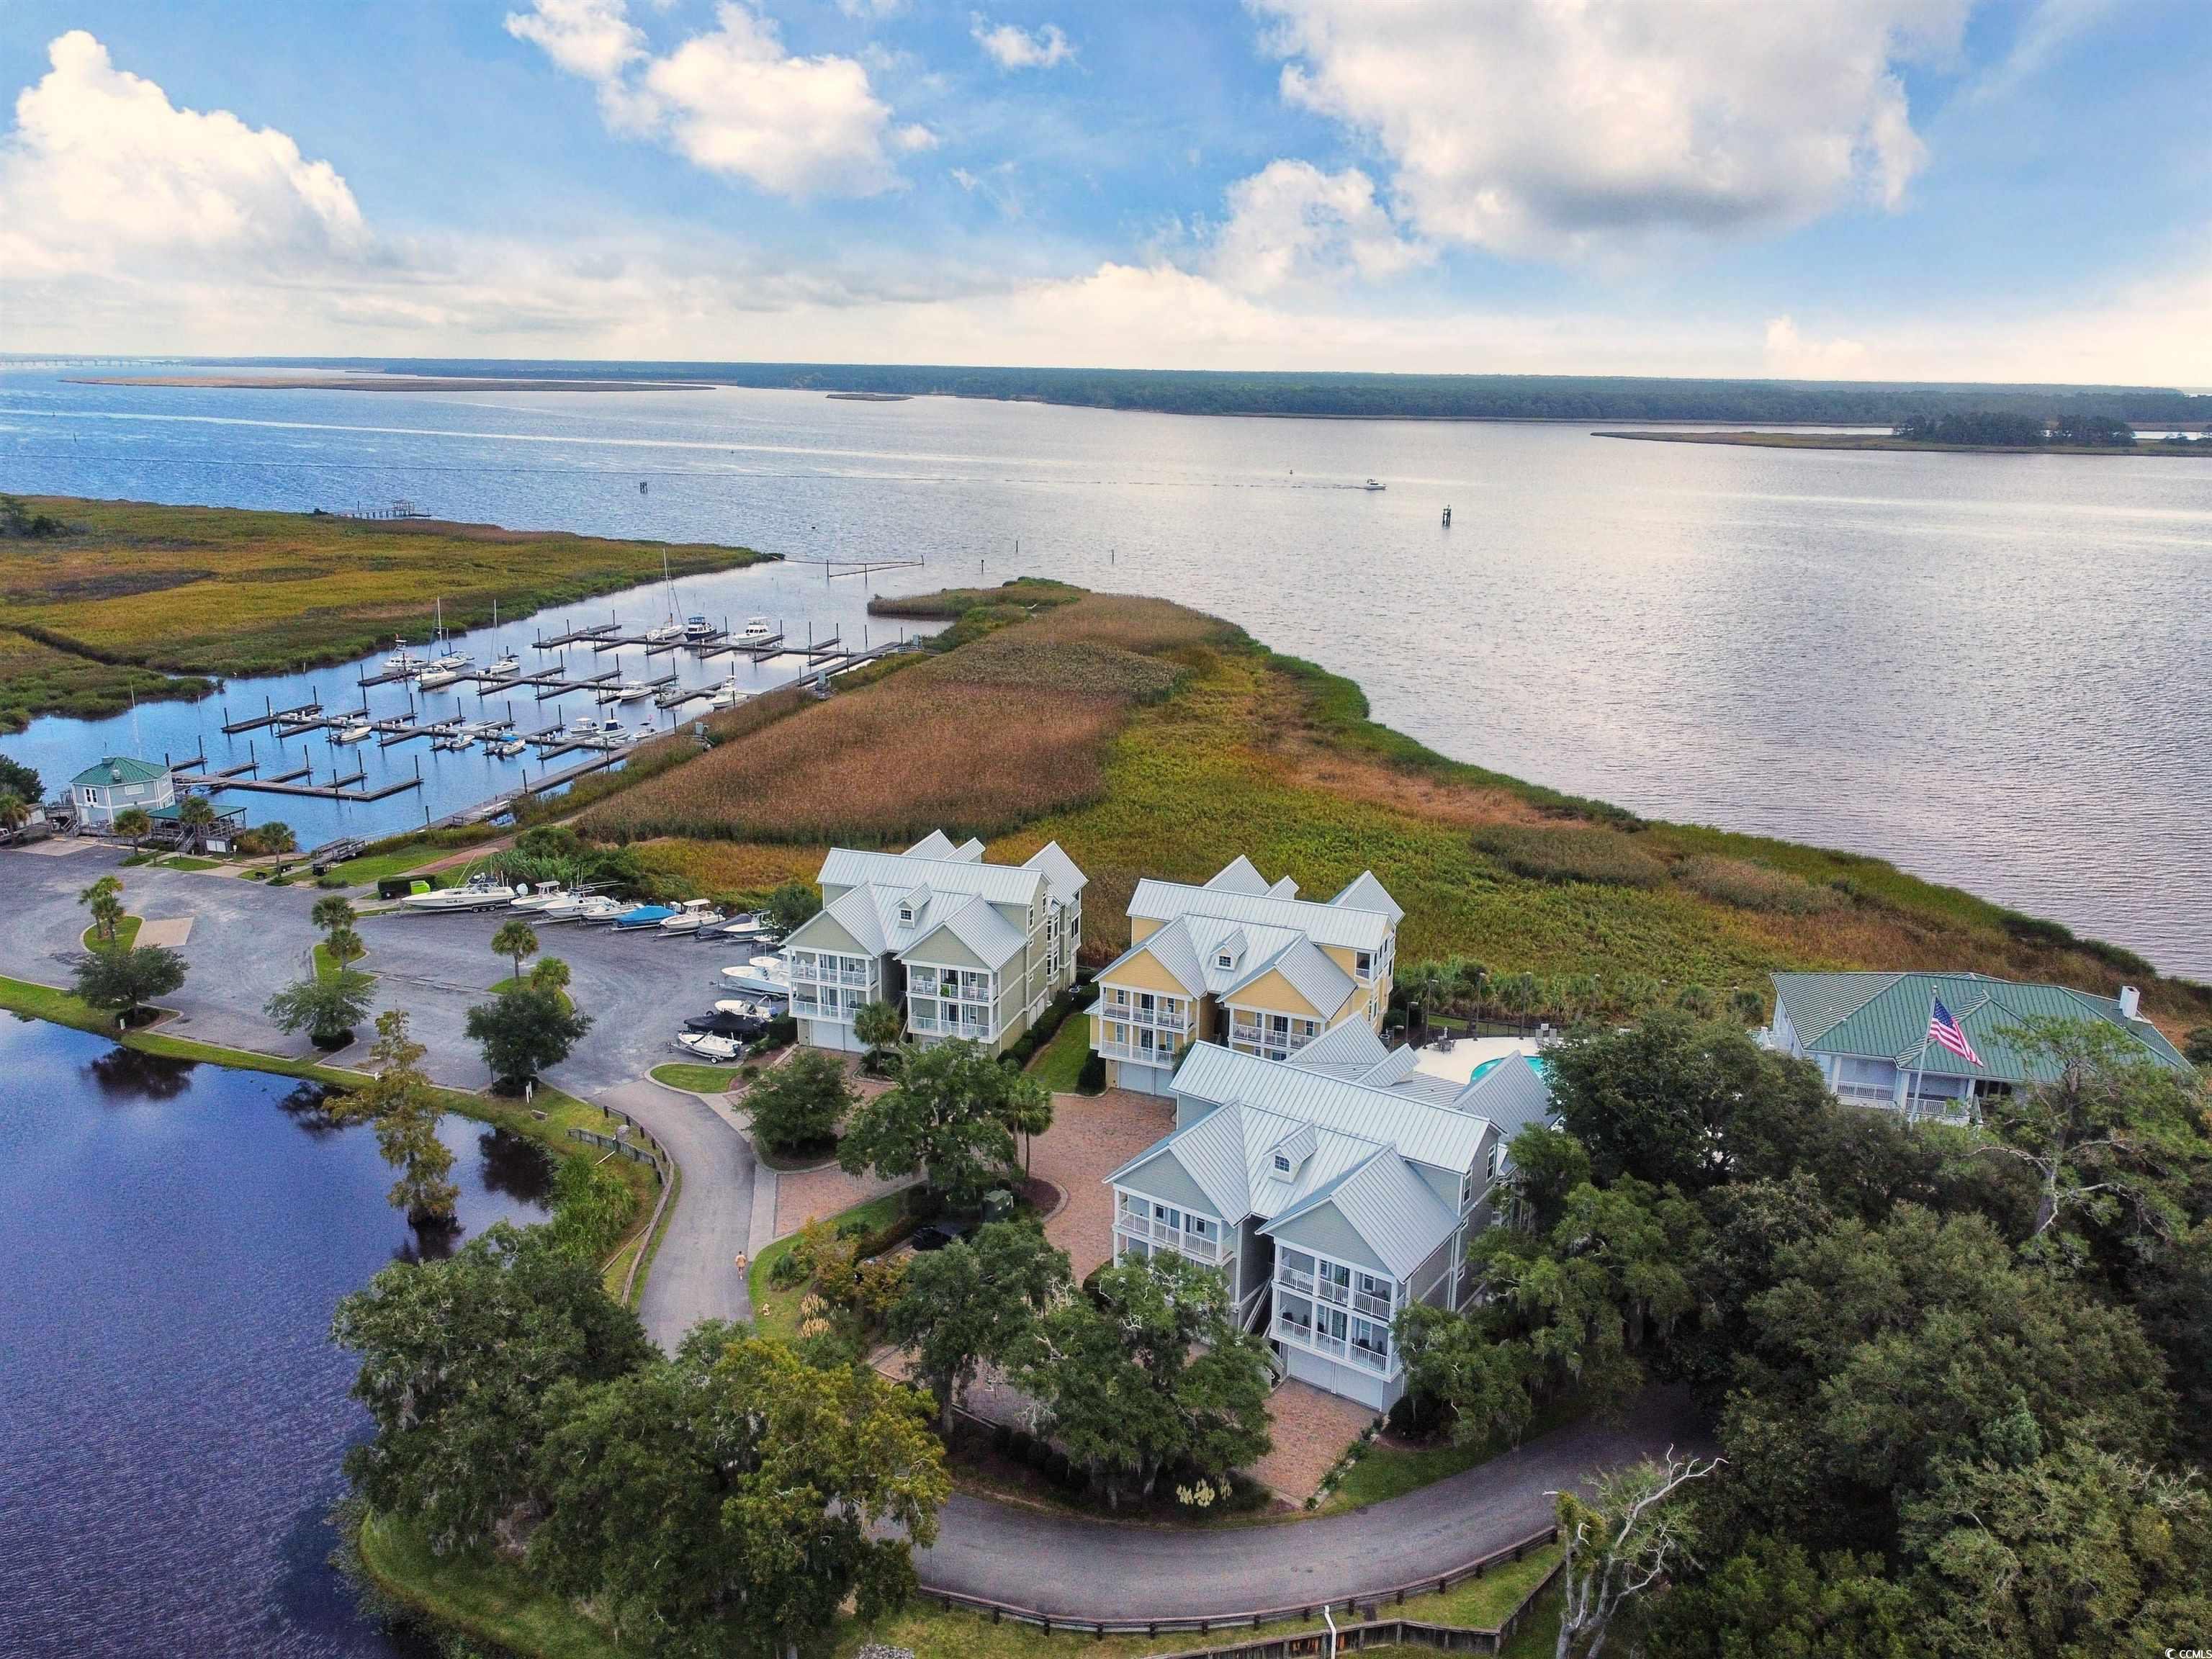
x=1943, y=1027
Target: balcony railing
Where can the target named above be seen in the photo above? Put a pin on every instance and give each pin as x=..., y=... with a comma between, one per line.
x=1160, y=1054
x=1155, y=1019
x=1336, y=1347
x=1211, y=1251
x=1374, y=1307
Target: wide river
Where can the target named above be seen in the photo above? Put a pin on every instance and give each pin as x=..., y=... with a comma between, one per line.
x=1990, y=669
x=172, y=1412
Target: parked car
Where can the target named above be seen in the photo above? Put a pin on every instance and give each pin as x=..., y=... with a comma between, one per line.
x=936, y=1234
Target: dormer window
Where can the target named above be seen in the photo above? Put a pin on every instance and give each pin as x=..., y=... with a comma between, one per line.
x=906, y=915
x=1226, y=959
x=1282, y=1164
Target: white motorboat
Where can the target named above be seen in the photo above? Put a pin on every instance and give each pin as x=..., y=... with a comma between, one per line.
x=1372, y=484
x=572, y=906
x=627, y=691
x=690, y=916
x=586, y=726
x=478, y=893
x=756, y=632
x=454, y=741
x=697, y=628
x=769, y=976
x=726, y=695
x=506, y=748
x=440, y=674
x=503, y=666
x=358, y=732
x=714, y=1050
x=404, y=661
x=538, y=897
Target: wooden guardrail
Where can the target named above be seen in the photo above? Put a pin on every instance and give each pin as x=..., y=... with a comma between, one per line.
x=1435, y=1584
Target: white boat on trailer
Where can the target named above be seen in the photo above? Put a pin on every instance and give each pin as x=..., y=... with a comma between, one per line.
x=690, y=916
x=479, y=892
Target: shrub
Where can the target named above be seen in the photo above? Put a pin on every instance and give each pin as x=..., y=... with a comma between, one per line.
x=1751, y=886
x=1541, y=852
x=1093, y=1078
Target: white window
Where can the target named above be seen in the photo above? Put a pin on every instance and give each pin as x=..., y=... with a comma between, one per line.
x=1362, y=964
x=1490, y=1166
x=906, y=914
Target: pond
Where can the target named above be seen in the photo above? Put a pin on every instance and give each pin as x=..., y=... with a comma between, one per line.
x=171, y=1413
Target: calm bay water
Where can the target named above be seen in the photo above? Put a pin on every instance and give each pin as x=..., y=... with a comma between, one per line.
x=172, y=1413
x=1990, y=669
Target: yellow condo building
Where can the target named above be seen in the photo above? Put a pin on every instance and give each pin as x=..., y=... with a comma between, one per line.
x=1243, y=962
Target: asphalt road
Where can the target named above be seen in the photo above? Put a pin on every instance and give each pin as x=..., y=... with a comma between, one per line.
x=1072, y=1568
x=247, y=940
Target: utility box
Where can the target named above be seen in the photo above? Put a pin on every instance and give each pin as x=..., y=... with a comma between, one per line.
x=997, y=1205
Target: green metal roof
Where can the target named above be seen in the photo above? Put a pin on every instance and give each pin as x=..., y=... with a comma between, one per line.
x=1879, y=1016
x=118, y=768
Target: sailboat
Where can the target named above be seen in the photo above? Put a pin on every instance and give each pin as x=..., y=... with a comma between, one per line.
x=506, y=662
x=672, y=629
x=448, y=665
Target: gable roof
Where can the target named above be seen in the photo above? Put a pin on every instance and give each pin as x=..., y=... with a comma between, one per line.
x=1347, y=1051
x=1354, y=927
x=1365, y=892
x=1884, y=1016
x=1389, y=1207
x=996, y=884
x=1060, y=873
x=1512, y=1094
x=1420, y=1130
x=118, y=769
x=989, y=935
x=1326, y=986
x=934, y=845
x=1239, y=875
x=1229, y=1156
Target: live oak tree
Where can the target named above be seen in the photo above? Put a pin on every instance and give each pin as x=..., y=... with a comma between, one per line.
x=461, y=1362
x=947, y=1116
x=976, y=1303
x=524, y=1029
x=801, y=1102
x=2111, y=1140
x=402, y=1106
x=125, y=981
x=327, y=1006
x=1153, y=1375
x=731, y=1498
x=1479, y=1380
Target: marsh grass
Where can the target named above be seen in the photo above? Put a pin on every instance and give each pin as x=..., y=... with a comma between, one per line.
x=1255, y=753
x=193, y=591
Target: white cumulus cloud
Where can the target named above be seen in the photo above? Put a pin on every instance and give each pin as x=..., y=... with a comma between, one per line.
x=1290, y=223
x=1011, y=47
x=732, y=100
x=100, y=165
x=1791, y=356
x=1551, y=126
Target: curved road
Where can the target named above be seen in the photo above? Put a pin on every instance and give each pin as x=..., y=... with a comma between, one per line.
x=248, y=939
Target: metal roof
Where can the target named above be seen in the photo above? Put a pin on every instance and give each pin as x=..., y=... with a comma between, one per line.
x=1884, y=1016
x=1324, y=985
x=1511, y=1094
x=1365, y=892
x=1387, y=1206
x=1433, y=1135
x=1345, y=925
x=1000, y=883
x=934, y=845
x=1229, y=1155
x=1347, y=1050
x=118, y=768
x=1239, y=875
x=1060, y=873
x=981, y=928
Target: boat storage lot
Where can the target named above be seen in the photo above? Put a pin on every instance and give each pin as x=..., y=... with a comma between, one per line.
x=248, y=940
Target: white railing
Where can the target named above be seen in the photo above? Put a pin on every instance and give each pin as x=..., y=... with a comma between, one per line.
x=924, y=1024
x=806, y=1008
x=1336, y=1347
x=1375, y=1307
x=1155, y=1019
x=1211, y=1251
x=1292, y=1279
x=1159, y=1055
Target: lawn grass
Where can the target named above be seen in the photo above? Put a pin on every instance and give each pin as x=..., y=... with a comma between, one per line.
x=186, y=861
x=1384, y=1471
x=328, y=966
x=700, y=1080
x=478, y=1594
x=152, y=599
x=126, y=934
x=1058, y=1064
x=776, y=1312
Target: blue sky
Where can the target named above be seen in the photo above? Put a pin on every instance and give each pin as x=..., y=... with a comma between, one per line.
x=1893, y=188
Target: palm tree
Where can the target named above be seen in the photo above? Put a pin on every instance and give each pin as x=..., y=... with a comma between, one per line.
x=136, y=822
x=15, y=812
x=332, y=913
x=878, y=1024
x=1746, y=1006
x=104, y=898
x=344, y=946
x=1473, y=987
x=516, y=938
x=196, y=817
x=1423, y=983
x=549, y=973
x=1582, y=994
x=1520, y=993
